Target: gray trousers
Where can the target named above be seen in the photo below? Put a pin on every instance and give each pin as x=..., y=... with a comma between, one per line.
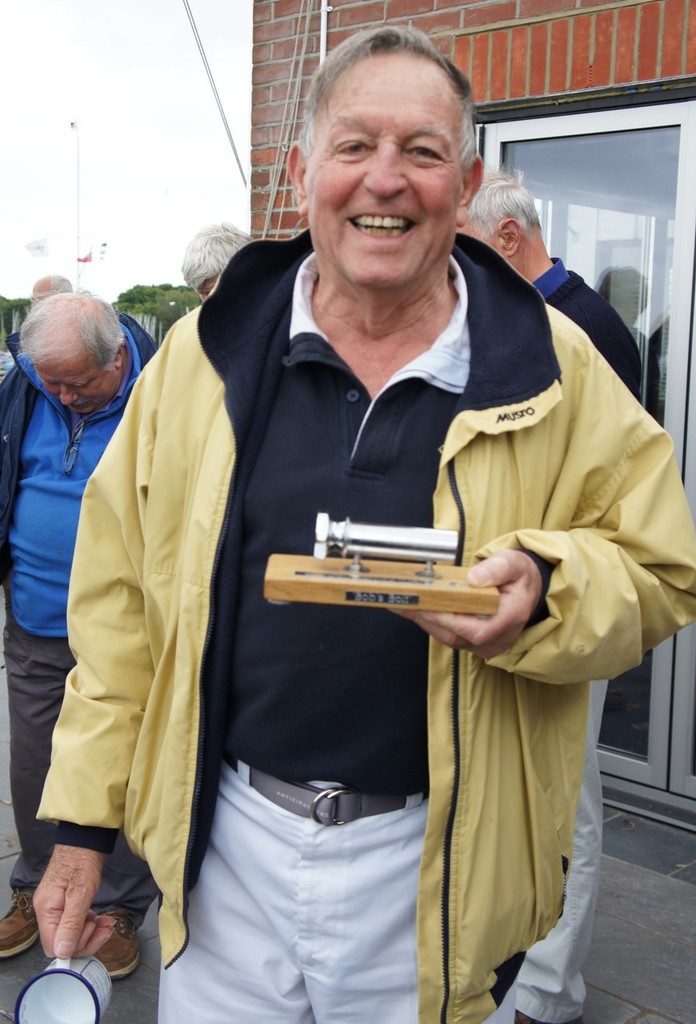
x=36, y=670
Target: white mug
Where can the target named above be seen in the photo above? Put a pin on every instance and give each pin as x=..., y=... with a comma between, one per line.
x=72, y=991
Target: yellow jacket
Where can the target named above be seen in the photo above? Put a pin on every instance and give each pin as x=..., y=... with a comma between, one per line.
x=572, y=469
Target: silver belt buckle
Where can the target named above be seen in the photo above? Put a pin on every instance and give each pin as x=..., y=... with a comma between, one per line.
x=327, y=794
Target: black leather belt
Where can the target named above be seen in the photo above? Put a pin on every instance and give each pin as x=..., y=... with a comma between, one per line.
x=335, y=805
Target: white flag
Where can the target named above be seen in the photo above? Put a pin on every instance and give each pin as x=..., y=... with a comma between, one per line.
x=39, y=247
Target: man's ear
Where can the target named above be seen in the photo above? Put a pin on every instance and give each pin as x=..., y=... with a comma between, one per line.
x=297, y=170
x=509, y=234
x=470, y=185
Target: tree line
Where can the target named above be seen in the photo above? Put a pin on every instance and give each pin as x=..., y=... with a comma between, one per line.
x=154, y=306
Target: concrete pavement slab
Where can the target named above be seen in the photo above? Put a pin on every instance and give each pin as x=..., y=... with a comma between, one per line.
x=643, y=948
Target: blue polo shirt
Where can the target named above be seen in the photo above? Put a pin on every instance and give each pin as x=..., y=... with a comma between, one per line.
x=552, y=279
x=58, y=454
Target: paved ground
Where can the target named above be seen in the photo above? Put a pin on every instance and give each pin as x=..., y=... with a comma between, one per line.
x=641, y=969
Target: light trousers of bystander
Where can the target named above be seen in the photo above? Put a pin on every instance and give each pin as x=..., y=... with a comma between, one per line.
x=550, y=985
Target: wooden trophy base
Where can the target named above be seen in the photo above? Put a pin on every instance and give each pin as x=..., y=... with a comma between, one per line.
x=378, y=584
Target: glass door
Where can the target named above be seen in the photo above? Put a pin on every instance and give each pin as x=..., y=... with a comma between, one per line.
x=616, y=202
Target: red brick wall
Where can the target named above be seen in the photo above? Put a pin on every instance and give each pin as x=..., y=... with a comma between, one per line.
x=512, y=50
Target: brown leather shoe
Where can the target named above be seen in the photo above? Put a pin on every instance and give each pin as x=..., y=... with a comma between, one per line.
x=18, y=928
x=522, y=1018
x=121, y=953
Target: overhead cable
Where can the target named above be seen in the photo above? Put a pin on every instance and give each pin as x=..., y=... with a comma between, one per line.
x=208, y=72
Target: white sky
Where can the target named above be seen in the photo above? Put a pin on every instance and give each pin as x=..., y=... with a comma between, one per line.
x=155, y=162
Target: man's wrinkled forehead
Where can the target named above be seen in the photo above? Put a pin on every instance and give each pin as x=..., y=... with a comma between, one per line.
x=360, y=70
x=392, y=63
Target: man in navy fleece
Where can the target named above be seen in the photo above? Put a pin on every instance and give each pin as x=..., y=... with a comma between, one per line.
x=503, y=213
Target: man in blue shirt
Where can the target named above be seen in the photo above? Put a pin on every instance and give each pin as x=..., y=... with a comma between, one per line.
x=76, y=362
x=503, y=214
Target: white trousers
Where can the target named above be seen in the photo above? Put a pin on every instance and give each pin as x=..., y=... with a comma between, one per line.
x=550, y=985
x=297, y=923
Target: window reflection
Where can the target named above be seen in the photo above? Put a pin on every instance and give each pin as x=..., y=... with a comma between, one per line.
x=626, y=719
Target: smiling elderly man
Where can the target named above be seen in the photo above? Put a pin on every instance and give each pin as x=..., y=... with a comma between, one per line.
x=76, y=363
x=386, y=370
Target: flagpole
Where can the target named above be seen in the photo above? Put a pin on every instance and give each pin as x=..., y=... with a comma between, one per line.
x=73, y=125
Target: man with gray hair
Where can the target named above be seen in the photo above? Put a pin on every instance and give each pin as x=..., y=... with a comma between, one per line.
x=208, y=253
x=76, y=364
x=503, y=213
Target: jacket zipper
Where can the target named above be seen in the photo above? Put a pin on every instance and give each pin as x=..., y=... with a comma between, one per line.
x=447, y=842
x=202, y=726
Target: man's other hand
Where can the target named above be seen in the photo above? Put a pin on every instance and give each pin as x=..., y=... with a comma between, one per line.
x=67, y=925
